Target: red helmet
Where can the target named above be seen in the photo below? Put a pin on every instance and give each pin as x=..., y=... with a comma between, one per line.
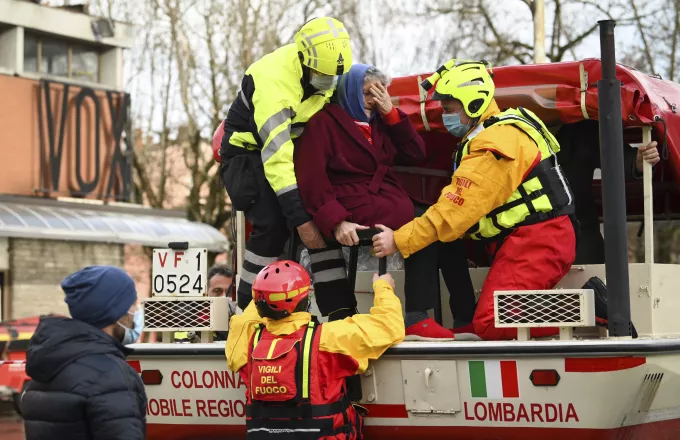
x=280, y=289
x=217, y=142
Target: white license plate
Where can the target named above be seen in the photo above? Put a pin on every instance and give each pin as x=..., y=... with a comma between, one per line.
x=179, y=273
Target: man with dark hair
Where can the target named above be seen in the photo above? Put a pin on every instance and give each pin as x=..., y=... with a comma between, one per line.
x=220, y=282
x=81, y=385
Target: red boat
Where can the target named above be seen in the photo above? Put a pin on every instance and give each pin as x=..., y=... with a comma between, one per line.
x=596, y=386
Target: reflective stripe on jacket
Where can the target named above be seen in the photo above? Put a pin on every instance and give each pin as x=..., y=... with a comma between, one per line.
x=268, y=113
x=493, y=165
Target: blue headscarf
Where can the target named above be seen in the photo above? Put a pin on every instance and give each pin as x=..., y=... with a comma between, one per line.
x=351, y=92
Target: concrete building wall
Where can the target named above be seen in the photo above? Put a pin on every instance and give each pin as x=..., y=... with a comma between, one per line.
x=11, y=50
x=18, y=17
x=61, y=22
x=37, y=268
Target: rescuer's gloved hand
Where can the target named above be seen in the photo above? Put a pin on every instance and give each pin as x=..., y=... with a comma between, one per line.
x=387, y=277
x=381, y=98
x=311, y=236
x=346, y=233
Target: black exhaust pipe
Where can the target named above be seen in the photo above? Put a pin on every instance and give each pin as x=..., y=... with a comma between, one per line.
x=613, y=187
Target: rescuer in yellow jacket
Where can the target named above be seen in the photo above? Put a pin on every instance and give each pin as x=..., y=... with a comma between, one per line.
x=279, y=93
x=295, y=369
x=507, y=189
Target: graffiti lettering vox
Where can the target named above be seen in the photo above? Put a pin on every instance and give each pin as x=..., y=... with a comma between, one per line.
x=69, y=126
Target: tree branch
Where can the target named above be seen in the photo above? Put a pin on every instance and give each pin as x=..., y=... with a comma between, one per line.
x=575, y=42
x=647, y=52
x=674, y=41
x=144, y=183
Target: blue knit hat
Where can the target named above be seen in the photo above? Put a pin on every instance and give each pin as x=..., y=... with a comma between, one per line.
x=99, y=295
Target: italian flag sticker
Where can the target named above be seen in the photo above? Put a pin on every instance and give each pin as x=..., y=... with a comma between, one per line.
x=493, y=379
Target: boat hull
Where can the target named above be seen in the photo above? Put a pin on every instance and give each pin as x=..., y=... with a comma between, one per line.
x=460, y=390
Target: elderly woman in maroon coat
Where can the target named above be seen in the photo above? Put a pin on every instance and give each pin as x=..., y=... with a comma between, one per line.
x=343, y=165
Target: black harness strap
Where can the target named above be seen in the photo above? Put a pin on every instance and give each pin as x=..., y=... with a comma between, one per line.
x=527, y=200
x=515, y=203
x=304, y=411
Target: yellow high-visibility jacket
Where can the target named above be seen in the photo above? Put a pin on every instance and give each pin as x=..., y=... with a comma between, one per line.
x=269, y=112
x=360, y=337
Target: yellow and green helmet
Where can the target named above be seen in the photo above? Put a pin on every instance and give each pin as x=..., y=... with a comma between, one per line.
x=324, y=45
x=467, y=81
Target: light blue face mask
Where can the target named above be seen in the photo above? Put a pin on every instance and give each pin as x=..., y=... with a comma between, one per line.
x=323, y=82
x=454, y=126
x=132, y=334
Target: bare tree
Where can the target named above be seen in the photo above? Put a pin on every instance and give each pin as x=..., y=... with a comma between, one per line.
x=490, y=30
x=183, y=78
x=658, y=25
x=210, y=59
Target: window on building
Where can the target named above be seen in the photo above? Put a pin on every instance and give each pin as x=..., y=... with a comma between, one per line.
x=54, y=58
x=30, y=54
x=57, y=57
x=84, y=63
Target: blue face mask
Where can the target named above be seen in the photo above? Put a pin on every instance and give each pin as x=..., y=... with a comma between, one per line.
x=454, y=126
x=132, y=334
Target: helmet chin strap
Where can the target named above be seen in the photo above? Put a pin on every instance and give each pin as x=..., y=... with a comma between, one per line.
x=306, y=74
x=306, y=82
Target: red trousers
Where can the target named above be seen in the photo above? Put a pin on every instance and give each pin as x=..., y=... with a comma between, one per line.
x=533, y=257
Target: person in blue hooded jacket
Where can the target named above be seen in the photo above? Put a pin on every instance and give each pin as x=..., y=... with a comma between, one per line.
x=81, y=385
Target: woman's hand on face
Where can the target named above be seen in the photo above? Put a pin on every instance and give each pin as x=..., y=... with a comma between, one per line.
x=346, y=233
x=381, y=98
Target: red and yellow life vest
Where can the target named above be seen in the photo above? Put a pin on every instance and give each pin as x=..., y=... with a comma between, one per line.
x=543, y=194
x=284, y=398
